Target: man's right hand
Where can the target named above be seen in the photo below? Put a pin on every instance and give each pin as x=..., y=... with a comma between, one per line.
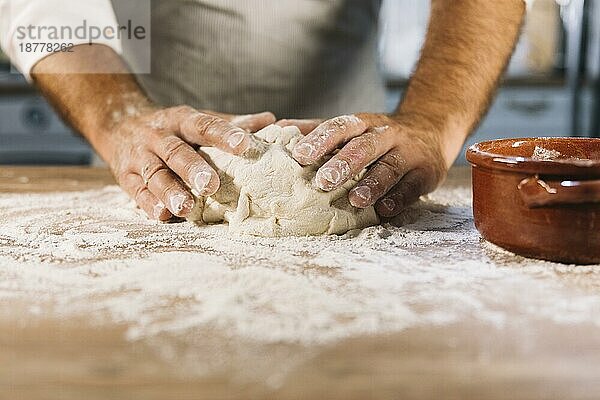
x=155, y=160
x=151, y=151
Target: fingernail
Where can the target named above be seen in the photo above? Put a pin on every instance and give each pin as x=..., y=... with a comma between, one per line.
x=364, y=192
x=181, y=203
x=328, y=178
x=177, y=201
x=331, y=175
x=201, y=181
x=236, y=139
x=304, y=151
x=388, y=204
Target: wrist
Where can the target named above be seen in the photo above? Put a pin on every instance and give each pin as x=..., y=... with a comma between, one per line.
x=116, y=111
x=93, y=104
x=107, y=125
x=449, y=137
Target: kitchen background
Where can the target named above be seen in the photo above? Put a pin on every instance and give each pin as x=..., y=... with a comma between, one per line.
x=552, y=87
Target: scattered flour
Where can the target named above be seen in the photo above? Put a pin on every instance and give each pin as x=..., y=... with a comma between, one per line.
x=92, y=253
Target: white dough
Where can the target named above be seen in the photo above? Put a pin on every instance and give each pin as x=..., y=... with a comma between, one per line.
x=274, y=196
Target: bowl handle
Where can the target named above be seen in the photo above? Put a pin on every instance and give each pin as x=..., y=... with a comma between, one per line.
x=536, y=192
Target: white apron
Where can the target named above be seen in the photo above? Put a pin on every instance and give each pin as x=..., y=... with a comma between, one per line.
x=296, y=58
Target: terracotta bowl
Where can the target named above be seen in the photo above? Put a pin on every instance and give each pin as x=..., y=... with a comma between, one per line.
x=539, y=197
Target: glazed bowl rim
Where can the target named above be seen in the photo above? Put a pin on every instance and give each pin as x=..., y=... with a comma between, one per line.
x=478, y=157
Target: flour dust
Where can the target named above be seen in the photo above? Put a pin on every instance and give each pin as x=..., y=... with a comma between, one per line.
x=93, y=254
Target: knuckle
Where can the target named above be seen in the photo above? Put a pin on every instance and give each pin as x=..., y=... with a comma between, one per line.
x=390, y=170
x=172, y=146
x=158, y=121
x=340, y=122
x=339, y=125
x=387, y=166
x=153, y=141
x=138, y=194
x=153, y=170
x=350, y=121
x=226, y=131
x=363, y=146
x=180, y=115
x=189, y=166
x=324, y=135
x=393, y=162
x=195, y=165
x=203, y=124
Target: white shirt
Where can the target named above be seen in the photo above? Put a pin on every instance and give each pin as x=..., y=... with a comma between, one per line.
x=18, y=14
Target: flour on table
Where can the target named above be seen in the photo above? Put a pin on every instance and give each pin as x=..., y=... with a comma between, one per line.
x=274, y=196
x=213, y=300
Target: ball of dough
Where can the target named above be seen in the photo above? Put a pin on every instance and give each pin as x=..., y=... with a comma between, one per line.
x=274, y=196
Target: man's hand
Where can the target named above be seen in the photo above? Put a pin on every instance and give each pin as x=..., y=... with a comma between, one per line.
x=151, y=151
x=406, y=160
x=468, y=45
x=154, y=156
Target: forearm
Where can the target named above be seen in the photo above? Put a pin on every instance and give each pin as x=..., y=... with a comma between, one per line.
x=151, y=150
x=91, y=103
x=468, y=45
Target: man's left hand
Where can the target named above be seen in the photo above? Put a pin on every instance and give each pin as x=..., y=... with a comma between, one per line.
x=406, y=160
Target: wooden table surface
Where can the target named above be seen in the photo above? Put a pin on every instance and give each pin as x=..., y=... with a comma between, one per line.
x=71, y=359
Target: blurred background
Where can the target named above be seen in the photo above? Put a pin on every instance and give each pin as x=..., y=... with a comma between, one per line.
x=552, y=87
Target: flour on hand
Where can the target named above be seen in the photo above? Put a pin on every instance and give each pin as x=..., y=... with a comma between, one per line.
x=274, y=196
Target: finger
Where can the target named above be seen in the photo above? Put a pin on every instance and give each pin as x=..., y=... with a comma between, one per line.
x=352, y=159
x=327, y=137
x=133, y=185
x=250, y=122
x=182, y=159
x=254, y=122
x=165, y=186
x=306, y=126
x=209, y=130
x=379, y=180
x=408, y=191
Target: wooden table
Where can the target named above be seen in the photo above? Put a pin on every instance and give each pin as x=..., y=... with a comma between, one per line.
x=71, y=359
